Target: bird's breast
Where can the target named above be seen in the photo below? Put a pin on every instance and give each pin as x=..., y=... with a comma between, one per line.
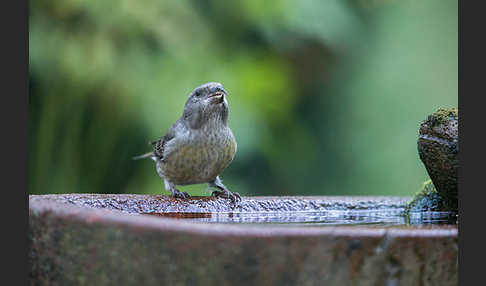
x=198, y=159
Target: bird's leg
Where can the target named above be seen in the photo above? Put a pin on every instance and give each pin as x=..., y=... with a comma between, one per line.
x=169, y=186
x=223, y=191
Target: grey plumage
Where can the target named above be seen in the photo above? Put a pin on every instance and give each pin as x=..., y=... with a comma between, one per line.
x=199, y=145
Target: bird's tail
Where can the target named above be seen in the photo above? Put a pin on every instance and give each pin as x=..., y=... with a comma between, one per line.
x=146, y=155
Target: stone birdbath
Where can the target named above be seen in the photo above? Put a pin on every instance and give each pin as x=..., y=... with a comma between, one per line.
x=109, y=239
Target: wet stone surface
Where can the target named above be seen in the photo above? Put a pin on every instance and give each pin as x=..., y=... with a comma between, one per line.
x=166, y=204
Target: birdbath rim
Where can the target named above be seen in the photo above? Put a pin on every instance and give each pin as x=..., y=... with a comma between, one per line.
x=68, y=206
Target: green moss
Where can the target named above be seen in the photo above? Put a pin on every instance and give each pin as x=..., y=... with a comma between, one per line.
x=427, y=199
x=442, y=116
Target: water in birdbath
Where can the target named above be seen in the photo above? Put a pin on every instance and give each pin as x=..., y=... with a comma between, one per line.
x=382, y=217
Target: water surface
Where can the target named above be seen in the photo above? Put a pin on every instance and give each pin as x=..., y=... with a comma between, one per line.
x=390, y=217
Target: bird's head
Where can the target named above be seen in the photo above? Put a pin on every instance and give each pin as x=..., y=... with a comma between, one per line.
x=207, y=103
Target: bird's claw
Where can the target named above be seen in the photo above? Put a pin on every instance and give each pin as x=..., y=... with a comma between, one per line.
x=180, y=195
x=234, y=197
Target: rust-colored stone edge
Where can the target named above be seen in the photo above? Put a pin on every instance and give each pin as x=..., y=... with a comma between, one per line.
x=139, y=223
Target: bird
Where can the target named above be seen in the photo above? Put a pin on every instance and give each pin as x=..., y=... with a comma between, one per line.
x=198, y=146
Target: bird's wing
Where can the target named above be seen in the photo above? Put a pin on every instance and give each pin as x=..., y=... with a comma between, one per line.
x=159, y=145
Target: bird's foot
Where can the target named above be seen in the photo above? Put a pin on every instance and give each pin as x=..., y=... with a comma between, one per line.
x=181, y=195
x=234, y=197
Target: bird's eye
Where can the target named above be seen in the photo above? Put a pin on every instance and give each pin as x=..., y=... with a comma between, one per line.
x=197, y=93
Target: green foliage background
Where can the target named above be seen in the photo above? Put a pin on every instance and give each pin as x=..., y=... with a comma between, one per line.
x=326, y=97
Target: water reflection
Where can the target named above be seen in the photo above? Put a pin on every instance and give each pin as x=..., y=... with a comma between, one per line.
x=392, y=217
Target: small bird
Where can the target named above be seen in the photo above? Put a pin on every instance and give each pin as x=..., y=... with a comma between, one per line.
x=199, y=145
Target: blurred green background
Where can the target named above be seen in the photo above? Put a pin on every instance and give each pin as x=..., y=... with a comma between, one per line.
x=326, y=97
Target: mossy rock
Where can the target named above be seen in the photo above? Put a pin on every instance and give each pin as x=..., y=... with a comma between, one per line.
x=438, y=147
x=442, y=116
x=428, y=199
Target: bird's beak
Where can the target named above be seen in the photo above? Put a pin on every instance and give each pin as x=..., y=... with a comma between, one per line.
x=217, y=97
